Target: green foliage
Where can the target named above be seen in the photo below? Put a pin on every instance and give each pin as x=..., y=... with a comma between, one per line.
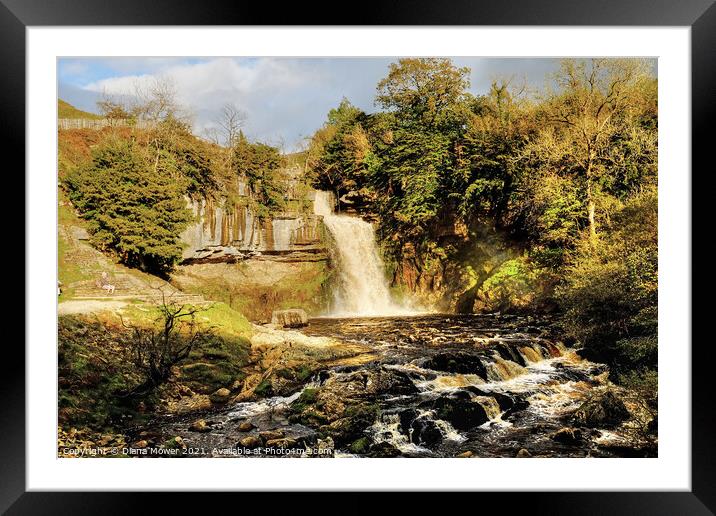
x=440, y=165
x=308, y=397
x=611, y=292
x=133, y=201
x=424, y=91
x=264, y=389
x=262, y=167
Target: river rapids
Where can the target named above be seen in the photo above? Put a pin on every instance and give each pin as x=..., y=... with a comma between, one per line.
x=437, y=386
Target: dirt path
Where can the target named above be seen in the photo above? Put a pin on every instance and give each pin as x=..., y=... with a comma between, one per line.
x=86, y=306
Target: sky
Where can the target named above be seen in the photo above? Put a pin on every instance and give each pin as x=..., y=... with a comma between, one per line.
x=285, y=99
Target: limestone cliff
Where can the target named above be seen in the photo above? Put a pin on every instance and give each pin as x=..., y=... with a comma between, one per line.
x=225, y=232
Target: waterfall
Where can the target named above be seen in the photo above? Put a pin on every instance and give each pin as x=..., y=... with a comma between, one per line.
x=363, y=288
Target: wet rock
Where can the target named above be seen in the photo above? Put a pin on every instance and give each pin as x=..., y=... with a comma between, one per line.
x=352, y=425
x=281, y=443
x=360, y=446
x=509, y=353
x=389, y=381
x=246, y=426
x=293, y=318
x=221, y=395
x=460, y=411
x=456, y=362
x=568, y=436
x=523, y=454
x=175, y=443
x=603, y=410
x=199, y=426
x=326, y=447
x=383, y=449
x=504, y=401
x=425, y=432
x=250, y=441
x=406, y=417
x=271, y=435
x=465, y=455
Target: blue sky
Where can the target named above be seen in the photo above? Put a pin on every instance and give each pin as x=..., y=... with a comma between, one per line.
x=285, y=99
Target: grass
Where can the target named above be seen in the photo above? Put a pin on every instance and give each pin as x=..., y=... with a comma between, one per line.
x=94, y=365
x=67, y=110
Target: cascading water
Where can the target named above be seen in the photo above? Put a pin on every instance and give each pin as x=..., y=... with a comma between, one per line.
x=363, y=289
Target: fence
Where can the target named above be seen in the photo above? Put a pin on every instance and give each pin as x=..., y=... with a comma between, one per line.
x=100, y=123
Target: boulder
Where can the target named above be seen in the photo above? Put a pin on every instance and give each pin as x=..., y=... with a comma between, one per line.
x=293, y=318
x=406, y=417
x=221, y=395
x=425, y=432
x=246, y=426
x=199, y=426
x=271, y=435
x=601, y=410
x=568, y=436
x=326, y=447
x=456, y=362
x=458, y=409
x=383, y=449
x=250, y=441
x=281, y=443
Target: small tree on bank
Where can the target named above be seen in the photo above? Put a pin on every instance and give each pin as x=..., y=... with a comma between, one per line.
x=156, y=350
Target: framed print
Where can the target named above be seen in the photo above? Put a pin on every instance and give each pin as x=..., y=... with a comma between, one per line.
x=441, y=251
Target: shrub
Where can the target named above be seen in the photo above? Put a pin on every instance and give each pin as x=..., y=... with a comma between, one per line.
x=134, y=203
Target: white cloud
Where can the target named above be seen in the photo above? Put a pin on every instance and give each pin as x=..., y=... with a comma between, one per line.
x=268, y=90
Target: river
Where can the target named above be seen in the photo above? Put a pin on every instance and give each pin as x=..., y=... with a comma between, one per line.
x=436, y=386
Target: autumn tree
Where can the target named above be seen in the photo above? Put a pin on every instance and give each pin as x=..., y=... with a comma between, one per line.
x=591, y=104
x=424, y=90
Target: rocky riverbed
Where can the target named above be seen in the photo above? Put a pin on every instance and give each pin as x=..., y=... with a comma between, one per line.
x=424, y=386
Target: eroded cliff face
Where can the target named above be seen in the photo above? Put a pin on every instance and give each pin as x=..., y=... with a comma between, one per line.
x=227, y=233
x=476, y=270
x=255, y=265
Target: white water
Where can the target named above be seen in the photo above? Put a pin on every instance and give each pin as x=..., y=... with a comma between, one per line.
x=363, y=288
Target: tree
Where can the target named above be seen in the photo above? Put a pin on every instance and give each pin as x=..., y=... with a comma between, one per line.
x=112, y=109
x=156, y=350
x=590, y=106
x=338, y=150
x=500, y=125
x=134, y=204
x=261, y=166
x=424, y=90
x=230, y=121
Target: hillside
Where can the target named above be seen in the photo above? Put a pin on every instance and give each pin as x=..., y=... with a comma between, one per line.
x=67, y=110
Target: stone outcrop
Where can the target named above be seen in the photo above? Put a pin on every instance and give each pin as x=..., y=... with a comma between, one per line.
x=345, y=404
x=229, y=233
x=292, y=318
x=601, y=410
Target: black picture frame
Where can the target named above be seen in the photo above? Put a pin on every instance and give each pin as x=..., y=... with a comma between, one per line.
x=700, y=15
